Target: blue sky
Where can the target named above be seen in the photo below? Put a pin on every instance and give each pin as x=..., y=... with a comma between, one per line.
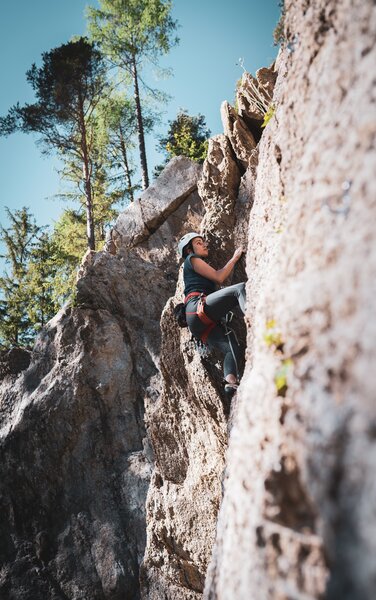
x=213, y=35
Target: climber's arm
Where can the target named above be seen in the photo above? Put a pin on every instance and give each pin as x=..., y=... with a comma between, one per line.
x=202, y=268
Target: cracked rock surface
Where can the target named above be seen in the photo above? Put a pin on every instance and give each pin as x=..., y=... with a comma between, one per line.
x=122, y=475
x=296, y=521
x=75, y=460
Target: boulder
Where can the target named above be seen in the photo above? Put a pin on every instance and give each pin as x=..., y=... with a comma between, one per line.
x=241, y=139
x=75, y=458
x=162, y=198
x=253, y=97
x=297, y=517
x=218, y=188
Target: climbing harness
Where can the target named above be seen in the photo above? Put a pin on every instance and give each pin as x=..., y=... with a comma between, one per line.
x=201, y=343
x=201, y=314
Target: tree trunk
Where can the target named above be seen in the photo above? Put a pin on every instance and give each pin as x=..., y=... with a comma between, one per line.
x=126, y=164
x=140, y=128
x=87, y=181
x=89, y=208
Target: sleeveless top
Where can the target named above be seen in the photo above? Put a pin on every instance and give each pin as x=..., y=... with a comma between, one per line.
x=194, y=282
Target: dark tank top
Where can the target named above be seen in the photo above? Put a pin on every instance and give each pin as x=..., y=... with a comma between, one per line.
x=194, y=282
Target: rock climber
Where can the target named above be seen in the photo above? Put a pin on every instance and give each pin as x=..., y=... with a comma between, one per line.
x=205, y=307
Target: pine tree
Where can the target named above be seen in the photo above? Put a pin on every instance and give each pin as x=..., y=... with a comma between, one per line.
x=19, y=239
x=116, y=132
x=131, y=32
x=42, y=303
x=68, y=87
x=186, y=136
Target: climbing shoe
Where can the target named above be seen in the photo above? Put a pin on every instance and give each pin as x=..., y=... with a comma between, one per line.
x=231, y=388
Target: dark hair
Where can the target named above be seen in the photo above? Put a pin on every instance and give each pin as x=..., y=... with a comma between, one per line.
x=189, y=246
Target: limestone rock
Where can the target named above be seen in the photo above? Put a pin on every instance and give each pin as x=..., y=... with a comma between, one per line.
x=187, y=428
x=187, y=425
x=297, y=518
x=241, y=139
x=13, y=361
x=75, y=461
x=114, y=397
x=163, y=197
x=160, y=247
x=242, y=210
x=245, y=98
x=266, y=78
x=218, y=188
x=66, y=511
x=253, y=96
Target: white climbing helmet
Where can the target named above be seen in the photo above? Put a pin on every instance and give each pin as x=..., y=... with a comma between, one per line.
x=185, y=240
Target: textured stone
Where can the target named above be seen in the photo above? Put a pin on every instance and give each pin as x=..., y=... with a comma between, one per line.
x=241, y=139
x=218, y=188
x=160, y=247
x=253, y=96
x=297, y=515
x=245, y=99
x=162, y=198
x=13, y=361
x=266, y=78
x=187, y=428
x=75, y=460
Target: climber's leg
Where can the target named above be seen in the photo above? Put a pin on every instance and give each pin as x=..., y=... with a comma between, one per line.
x=195, y=325
x=219, y=303
x=220, y=340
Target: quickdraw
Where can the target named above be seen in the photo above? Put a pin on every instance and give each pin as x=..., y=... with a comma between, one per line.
x=201, y=314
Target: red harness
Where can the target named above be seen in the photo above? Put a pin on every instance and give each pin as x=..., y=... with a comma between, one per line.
x=201, y=314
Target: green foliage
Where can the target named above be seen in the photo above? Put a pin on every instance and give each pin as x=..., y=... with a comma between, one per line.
x=116, y=132
x=26, y=293
x=69, y=242
x=43, y=269
x=268, y=115
x=69, y=239
x=67, y=86
x=281, y=376
x=186, y=136
x=131, y=33
x=69, y=80
x=279, y=31
x=272, y=335
x=128, y=29
x=42, y=303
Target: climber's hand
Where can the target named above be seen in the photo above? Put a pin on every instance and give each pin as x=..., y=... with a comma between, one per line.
x=237, y=254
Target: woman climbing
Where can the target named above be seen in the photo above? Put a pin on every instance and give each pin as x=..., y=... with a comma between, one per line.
x=205, y=307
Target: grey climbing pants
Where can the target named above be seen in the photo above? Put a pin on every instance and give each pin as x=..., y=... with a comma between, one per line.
x=217, y=305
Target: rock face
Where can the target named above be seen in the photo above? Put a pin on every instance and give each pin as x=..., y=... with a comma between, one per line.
x=115, y=395
x=241, y=139
x=253, y=97
x=145, y=215
x=75, y=461
x=296, y=521
x=218, y=188
x=187, y=428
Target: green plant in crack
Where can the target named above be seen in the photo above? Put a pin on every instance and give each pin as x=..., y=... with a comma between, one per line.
x=272, y=335
x=281, y=376
x=268, y=115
